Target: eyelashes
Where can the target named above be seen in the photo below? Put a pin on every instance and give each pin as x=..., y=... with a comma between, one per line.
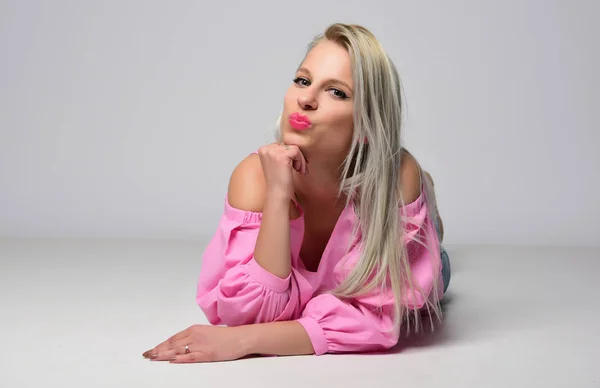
x=341, y=95
x=337, y=93
x=299, y=81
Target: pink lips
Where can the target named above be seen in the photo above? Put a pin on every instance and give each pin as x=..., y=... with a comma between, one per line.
x=299, y=122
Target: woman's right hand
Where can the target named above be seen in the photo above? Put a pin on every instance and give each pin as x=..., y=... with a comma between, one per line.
x=278, y=161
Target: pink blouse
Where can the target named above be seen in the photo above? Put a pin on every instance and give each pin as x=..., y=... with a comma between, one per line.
x=233, y=289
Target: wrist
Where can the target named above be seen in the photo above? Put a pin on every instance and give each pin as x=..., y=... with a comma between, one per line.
x=274, y=339
x=278, y=196
x=246, y=339
x=276, y=204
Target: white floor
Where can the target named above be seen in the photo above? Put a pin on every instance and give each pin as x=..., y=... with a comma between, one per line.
x=81, y=312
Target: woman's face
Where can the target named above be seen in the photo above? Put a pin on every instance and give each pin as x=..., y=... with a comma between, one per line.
x=317, y=114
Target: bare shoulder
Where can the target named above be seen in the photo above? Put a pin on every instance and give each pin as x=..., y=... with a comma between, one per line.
x=247, y=187
x=410, y=177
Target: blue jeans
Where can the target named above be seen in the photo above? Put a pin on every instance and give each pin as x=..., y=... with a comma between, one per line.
x=444, y=256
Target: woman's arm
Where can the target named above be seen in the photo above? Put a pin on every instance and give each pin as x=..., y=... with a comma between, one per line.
x=246, y=269
x=206, y=343
x=248, y=191
x=286, y=338
x=272, y=249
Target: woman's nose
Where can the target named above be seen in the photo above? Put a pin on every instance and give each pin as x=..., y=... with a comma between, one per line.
x=307, y=100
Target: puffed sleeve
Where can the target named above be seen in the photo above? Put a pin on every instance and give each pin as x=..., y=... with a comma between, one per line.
x=233, y=289
x=366, y=323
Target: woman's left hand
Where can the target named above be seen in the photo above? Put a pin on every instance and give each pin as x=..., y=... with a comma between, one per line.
x=205, y=343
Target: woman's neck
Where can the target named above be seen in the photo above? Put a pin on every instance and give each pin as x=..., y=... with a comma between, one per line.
x=321, y=186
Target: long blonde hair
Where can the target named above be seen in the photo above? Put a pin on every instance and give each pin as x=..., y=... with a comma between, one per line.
x=370, y=178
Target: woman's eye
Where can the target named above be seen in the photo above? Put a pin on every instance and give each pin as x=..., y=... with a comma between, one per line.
x=339, y=94
x=301, y=81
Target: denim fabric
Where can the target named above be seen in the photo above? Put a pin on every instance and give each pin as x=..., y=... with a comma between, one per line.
x=444, y=256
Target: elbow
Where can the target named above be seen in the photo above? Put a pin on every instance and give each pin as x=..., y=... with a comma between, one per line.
x=239, y=299
x=231, y=314
x=250, y=305
x=228, y=311
x=234, y=311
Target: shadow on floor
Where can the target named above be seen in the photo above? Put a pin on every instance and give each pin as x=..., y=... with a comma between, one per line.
x=432, y=333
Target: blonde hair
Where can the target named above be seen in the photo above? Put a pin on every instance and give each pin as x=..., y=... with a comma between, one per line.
x=370, y=175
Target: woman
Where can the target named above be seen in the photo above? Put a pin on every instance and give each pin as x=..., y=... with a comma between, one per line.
x=328, y=241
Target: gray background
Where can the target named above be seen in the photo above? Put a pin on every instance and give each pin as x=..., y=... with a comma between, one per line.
x=120, y=122
x=125, y=118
